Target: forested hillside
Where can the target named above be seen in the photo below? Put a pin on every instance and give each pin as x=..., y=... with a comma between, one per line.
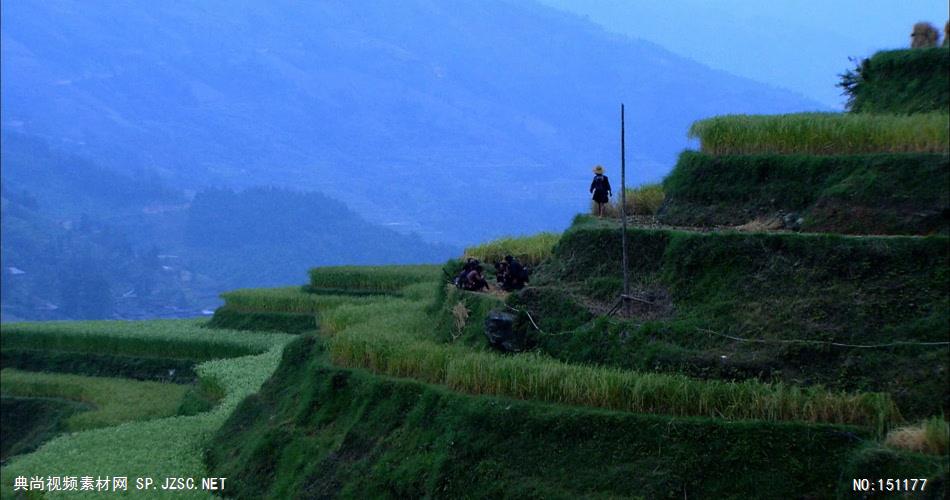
x=81, y=241
x=416, y=114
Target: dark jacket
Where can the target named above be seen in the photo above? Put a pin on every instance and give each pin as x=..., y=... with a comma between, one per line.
x=600, y=186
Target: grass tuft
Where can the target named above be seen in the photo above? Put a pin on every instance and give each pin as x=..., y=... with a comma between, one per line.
x=929, y=436
x=642, y=200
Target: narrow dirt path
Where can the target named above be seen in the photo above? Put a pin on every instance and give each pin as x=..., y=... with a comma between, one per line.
x=756, y=226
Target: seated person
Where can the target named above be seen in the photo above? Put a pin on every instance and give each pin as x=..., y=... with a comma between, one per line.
x=470, y=264
x=517, y=275
x=475, y=280
x=501, y=272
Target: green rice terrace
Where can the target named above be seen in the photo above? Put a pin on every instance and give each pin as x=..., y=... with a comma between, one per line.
x=785, y=336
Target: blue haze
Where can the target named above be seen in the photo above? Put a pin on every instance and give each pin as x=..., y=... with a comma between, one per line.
x=800, y=45
x=158, y=153
x=418, y=114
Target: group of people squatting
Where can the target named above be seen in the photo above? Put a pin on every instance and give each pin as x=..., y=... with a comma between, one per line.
x=509, y=275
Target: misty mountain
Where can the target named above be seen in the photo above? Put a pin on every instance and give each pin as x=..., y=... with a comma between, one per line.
x=799, y=45
x=81, y=241
x=458, y=120
x=268, y=237
x=69, y=184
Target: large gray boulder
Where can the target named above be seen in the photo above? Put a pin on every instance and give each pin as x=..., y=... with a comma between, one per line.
x=500, y=332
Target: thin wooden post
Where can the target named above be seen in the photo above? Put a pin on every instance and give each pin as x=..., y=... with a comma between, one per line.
x=623, y=213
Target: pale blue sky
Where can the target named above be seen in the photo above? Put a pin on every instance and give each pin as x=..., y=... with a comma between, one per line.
x=800, y=45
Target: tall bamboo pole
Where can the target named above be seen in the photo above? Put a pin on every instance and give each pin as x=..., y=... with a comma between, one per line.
x=623, y=213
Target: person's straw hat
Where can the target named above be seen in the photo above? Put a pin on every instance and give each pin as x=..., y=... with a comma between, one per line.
x=598, y=169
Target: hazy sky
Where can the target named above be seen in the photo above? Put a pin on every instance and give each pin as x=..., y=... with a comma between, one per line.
x=800, y=45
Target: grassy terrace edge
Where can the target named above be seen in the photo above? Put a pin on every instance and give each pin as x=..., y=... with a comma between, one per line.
x=113, y=400
x=529, y=250
x=903, y=81
x=285, y=309
x=452, y=436
x=823, y=133
x=794, y=292
x=395, y=337
x=895, y=193
x=173, y=339
x=348, y=432
x=371, y=279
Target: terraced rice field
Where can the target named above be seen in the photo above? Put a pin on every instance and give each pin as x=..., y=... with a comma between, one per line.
x=133, y=428
x=823, y=134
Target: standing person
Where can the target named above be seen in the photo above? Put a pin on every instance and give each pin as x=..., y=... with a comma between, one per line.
x=600, y=186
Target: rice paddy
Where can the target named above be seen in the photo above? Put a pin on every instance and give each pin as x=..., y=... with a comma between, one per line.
x=823, y=134
x=395, y=338
x=529, y=250
x=114, y=400
x=286, y=299
x=378, y=279
x=392, y=335
x=536, y=377
x=145, y=442
x=160, y=339
x=641, y=200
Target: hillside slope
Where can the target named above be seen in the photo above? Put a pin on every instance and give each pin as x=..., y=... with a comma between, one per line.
x=403, y=114
x=322, y=432
x=792, y=294
x=81, y=241
x=425, y=409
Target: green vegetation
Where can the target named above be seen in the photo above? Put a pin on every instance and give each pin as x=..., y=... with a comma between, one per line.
x=237, y=319
x=176, y=370
x=291, y=299
x=160, y=446
x=794, y=292
x=773, y=363
x=823, y=134
x=164, y=447
x=29, y=422
x=320, y=431
x=287, y=309
x=929, y=436
x=642, y=200
x=178, y=339
x=878, y=461
x=900, y=81
x=540, y=378
x=395, y=338
x=529, y=250
x=346, y=429
x=370, y=279
x=880, y=193
x=221, y=239
x=459, y=316
x=114, y=400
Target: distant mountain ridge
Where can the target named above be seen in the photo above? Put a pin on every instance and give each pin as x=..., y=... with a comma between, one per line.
x=418, y=114
x=81, y=241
